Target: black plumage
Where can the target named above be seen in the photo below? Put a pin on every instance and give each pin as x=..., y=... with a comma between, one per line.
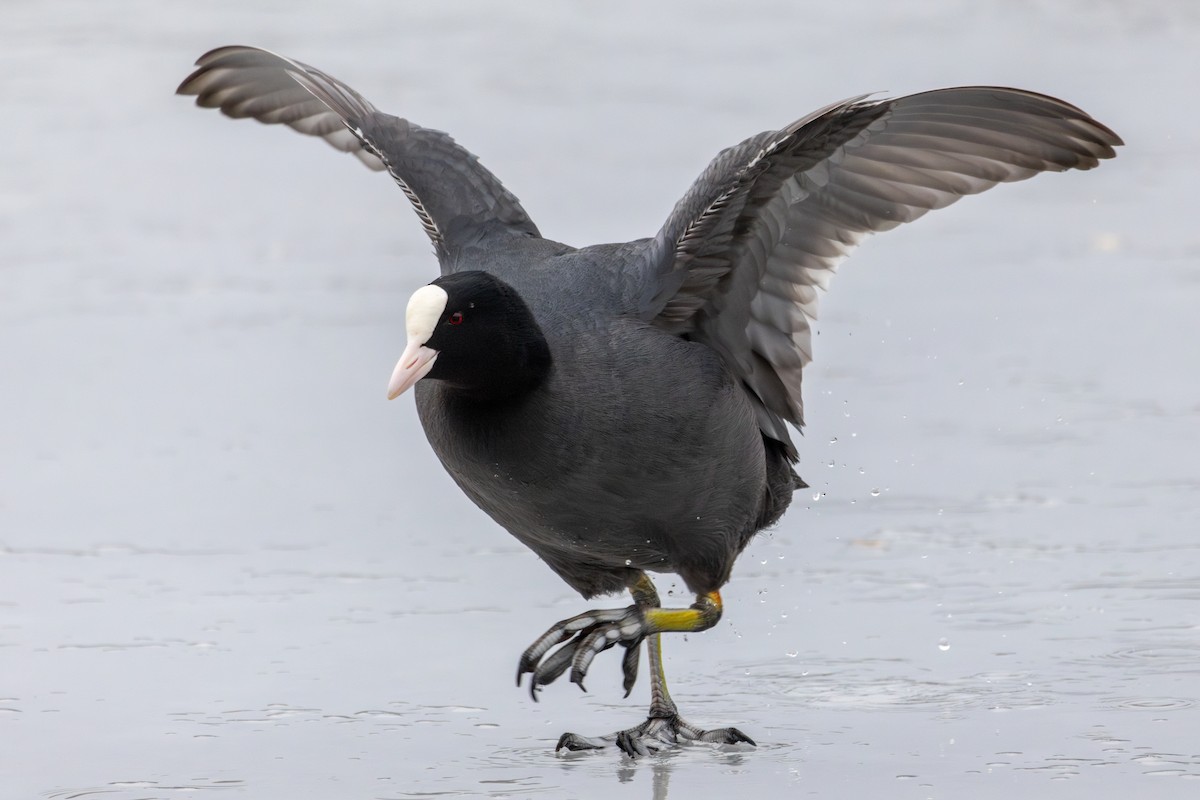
x=624, y=408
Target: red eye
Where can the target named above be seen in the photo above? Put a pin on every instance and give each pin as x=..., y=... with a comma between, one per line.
x=456, y=318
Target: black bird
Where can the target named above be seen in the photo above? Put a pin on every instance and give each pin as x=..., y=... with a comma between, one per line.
x=624, y=408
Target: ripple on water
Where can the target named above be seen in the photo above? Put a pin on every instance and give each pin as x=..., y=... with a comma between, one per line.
x=853, y=688
x=397, y=715
x=116, y=790
x=1148, y=703
x=1160, y=659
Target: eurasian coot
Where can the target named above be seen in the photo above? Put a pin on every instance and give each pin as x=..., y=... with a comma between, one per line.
x=624, y=408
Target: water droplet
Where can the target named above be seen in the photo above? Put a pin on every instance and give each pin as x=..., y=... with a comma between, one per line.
x=833, y=440
x=629, y=562
x=943, y=644
x=832, y=464
x=816, y=496
x=874, y=493
x=792, y=653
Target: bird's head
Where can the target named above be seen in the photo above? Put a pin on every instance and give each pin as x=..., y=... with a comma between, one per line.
x=473, y=332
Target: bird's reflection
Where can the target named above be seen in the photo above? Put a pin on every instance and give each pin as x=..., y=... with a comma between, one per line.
x=660, y=767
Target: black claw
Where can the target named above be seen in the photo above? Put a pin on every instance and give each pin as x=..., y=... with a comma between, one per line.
x=631, y=745
x=554, y=666
x=525, y=665
x=570, y=741
x=534, y=653
x=741, y=737
x=629, y=665
x=727, y=736
x=736, y=736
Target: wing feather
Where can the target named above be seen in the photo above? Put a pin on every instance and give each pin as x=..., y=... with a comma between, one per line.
x=453, y=195
x=740, y=259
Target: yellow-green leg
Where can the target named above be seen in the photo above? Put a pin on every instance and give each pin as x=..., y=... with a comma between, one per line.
x=593, y=632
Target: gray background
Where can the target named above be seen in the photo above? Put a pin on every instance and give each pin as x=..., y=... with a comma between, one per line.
x=229, y=568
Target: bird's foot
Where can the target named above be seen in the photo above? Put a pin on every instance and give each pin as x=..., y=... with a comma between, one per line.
x=653, y=735
x=589, y=634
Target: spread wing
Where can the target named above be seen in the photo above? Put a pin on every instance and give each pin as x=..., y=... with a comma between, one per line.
x=739, y=261
x=453, y=194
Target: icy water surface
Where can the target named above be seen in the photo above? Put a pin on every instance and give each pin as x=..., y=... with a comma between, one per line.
x=229, y=568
